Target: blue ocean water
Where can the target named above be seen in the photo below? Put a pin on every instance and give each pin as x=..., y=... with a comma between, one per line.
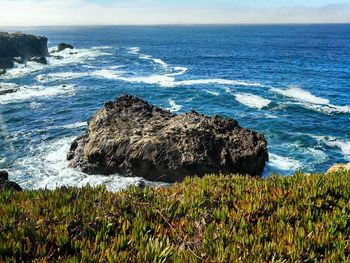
x=291, y=82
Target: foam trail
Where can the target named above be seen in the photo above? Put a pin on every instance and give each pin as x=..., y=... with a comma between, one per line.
x=215, y=93
x=179, y=71
x=75, y=125
x=173, y=106
x=28, y=93
x=312, y=102
x=252, y=101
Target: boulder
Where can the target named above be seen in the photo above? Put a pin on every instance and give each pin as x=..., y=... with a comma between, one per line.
x=63, y=46
x=5, y=184
x=338, y=167
x=2, y=71
x=22, y=47
x=133, y=138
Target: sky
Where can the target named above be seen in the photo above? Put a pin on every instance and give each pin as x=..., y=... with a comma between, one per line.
x=153, y=12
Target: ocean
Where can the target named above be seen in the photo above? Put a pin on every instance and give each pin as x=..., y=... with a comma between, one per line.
x=289, y=82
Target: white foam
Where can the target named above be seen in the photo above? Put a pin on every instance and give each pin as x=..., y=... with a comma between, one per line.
x=215, y=93
x=252, y=101
x=21, y=70
x=342, y=145
x=217, y=81
x=173, y=106
x=30, y=92
x=301, y=95
x=134, y=50
x=160, y=62
x=319, y=155
x=60, y=76
x=178, y=71
x=76, y=56
x=143, y=56
x=46, y=166
x=327, y=109
x=75, y=125
x=283, y=163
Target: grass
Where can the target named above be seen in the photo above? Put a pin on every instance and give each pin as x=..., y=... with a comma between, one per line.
x=302, y=218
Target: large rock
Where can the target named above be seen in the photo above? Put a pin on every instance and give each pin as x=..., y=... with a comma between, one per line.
x=21, y=46
x=5, y=184
x=133, y=138
x=61, y=47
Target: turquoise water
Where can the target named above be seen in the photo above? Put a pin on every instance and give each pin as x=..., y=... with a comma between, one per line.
x=292, y=83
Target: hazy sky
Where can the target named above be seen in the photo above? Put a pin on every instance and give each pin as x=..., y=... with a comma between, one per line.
x=110, y=12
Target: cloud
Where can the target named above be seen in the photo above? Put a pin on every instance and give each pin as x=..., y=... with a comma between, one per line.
x=83, y=12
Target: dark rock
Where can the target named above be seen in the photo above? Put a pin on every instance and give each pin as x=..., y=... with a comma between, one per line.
x=41, y=60
x=8, y=91
x=63, y=46
x=133, y=138
x=2, y=71
x=20, y=47
x=5, y=184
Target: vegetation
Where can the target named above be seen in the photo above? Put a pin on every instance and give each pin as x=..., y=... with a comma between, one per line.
x=303, y=218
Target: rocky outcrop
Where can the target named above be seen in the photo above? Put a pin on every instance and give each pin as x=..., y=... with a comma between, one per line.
x=133, y=138
x=5, y=184
x=21, y=47
x=61, y=47
x=338, y=167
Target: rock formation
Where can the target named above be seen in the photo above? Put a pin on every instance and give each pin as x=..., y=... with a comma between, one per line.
x=21, y=47
x=62, y=46
x=133, y=138
x=338, y=167
x=5, y=184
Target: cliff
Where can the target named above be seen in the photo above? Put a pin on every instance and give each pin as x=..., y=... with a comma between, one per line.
x=21, y=47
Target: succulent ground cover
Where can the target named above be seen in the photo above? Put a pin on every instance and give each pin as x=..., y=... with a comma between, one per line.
x=302, y=218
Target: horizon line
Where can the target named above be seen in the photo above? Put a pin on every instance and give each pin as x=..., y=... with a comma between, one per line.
x=184, y=24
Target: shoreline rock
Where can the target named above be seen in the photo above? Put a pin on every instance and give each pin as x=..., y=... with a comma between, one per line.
x=61, y=47
x=19, y=47
x=6, y=184
x=338, y=167
x=133, y=138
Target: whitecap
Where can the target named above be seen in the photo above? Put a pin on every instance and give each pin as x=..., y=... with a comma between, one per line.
x=160, y=62
x=252, y=101
x=283, y=163
x=22, y=70
x=134, y=50
x=75, y=125
x=60, y=76
x=178, y=71
x=46, y=167
x=173, y=106
x=312, y=102
x=215, y=93
x=30, y=92
x=334, y=142
x=301, y=95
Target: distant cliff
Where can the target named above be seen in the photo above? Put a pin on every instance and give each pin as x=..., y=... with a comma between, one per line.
x=21, y=47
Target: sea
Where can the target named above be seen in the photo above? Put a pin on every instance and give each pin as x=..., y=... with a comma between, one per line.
x=289, y=82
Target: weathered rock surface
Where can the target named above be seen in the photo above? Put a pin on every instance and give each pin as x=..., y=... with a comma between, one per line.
x=338, y=167
x=21, y=47
x=5, y=184
x=133, y=138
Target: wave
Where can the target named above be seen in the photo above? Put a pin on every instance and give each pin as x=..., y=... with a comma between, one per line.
x=134, y=50
x=75, y=125
x=215, y=93
x=310, y=101
x=173, y=106
x=30, y=92
x=46, y=167
x=334, y=142
x=252, y=101
x=285, y=164
x=22, y=70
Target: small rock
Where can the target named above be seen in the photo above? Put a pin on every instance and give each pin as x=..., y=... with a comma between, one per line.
x=5, y=184
x=8, y=91
x=41, y=60
x=338, y=167
x=63, y=46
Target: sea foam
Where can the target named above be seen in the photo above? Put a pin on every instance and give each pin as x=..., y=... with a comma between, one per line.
x=252, y=101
